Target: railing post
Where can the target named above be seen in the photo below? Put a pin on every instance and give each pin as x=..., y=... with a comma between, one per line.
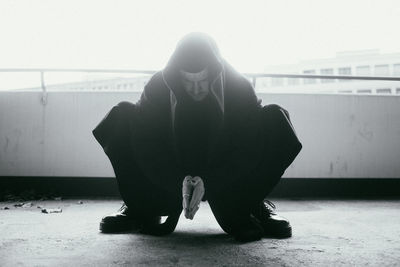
x=254, y=81
x=44, y=90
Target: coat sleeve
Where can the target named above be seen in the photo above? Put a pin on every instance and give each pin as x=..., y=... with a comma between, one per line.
x=111, y=129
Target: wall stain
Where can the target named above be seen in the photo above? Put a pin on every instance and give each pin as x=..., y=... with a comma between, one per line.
x=17, y=134
x=345, y=167
x=338, y=167
x=6, y=144
x=352, y=119
x=365, y=133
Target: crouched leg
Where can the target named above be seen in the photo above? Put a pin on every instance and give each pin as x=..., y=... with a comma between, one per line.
x=235, y=201
x=144, y=202
x=281, y=146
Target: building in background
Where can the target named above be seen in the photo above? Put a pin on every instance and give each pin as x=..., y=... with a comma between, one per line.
x=97, y=84
x=359, y=63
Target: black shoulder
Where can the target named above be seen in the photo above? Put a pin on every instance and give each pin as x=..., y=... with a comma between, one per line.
x=155, y=88
x=155, y=81
x=155, y=92
x=239, y=91
x=236, y=80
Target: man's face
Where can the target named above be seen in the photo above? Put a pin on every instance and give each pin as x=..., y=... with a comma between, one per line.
x=196, y=84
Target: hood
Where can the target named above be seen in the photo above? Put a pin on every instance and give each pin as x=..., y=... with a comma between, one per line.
x=194, y=52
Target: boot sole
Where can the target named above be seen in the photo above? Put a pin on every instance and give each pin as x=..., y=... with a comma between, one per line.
x=278, y=233
x=114, y=228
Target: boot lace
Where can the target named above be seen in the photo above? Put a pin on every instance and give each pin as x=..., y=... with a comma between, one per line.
x=123, y=209
x=268, y=207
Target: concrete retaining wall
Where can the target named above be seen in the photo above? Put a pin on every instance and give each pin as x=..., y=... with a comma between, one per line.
x=342, y=135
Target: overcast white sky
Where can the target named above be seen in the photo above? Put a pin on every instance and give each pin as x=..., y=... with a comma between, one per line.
x=142, y=34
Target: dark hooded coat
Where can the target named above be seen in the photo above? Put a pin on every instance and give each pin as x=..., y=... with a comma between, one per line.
x=238, y=131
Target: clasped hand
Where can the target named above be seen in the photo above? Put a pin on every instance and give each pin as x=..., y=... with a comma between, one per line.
x=192, y=192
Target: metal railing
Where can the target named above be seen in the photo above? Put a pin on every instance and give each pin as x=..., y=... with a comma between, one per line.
x=252, y=76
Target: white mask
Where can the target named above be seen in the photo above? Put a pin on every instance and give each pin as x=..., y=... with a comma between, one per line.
x=196, y=84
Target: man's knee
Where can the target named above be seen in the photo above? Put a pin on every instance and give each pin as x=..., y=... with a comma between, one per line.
x=274, y=109
x=123, y=110
x=125, y=105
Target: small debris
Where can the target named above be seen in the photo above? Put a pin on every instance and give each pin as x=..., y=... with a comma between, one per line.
x=27, y=205
x=18, y=205
x=6, y=208
x=39, y=207
x=56, y=210
x=80, y=202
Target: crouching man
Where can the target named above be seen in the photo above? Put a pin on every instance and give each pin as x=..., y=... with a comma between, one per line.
x=198, y=132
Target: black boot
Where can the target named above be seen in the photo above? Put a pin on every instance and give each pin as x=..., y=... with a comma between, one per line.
x=126, y=220
x=123, y=220
x=273, y=225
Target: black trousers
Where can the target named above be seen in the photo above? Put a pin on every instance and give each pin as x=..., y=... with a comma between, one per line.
x=231, y=203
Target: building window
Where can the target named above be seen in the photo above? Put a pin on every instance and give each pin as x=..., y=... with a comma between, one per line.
x=385, y=91
x=327, y=72
x=293, y=81
x=398, y=91
x=345, y=71
x=364, y=91
x=382, y=70
x=309, y=81
x=396, y=69
x=276, y=81
x=363, y=70
x=260, y=84
x=345, y=91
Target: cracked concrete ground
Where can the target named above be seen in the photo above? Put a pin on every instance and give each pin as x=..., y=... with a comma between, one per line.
x=325, y=233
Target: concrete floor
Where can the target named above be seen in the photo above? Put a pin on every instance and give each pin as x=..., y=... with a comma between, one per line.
x=325, y=233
